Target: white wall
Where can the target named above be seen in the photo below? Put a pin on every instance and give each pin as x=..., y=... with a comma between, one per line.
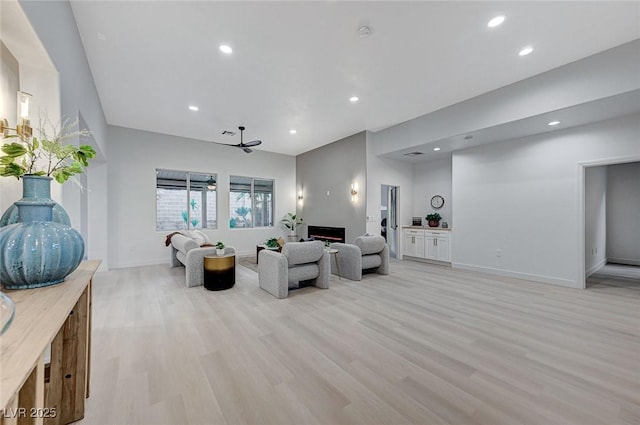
x=595, y=213
x=393, y=173
x=605, y=74
x=523, y=197
x=623, y=213
x=133, y=158
x=55, y=26
x=432, y=178
x=26, y=67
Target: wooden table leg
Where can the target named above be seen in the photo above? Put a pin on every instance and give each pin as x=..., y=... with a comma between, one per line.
x=31, y=397
x=69, y=365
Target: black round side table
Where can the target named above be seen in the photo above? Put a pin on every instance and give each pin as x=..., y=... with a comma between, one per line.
x=219, y=272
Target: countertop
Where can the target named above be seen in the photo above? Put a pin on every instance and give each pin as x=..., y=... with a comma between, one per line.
x=426, y=228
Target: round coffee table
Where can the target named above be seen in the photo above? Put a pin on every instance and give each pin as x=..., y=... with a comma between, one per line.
x=219, y=272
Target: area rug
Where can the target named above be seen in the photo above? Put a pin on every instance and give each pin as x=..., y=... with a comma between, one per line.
x=249, y=262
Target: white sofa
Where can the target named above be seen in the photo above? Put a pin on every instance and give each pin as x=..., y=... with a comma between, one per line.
x=186, y=251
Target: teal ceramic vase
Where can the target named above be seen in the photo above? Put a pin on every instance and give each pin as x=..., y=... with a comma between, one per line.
x=37, y=251
x=35, y=188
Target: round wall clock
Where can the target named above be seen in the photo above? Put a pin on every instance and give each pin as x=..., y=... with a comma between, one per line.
x=437, y=202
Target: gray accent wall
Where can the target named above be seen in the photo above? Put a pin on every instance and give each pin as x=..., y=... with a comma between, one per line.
x=324, y=177
x=623, y=213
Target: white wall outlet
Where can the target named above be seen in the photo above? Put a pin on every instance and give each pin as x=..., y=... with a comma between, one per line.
x=498, y=253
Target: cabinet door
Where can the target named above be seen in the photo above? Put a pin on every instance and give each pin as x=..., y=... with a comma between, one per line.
x=431, y=250
x=409, y=244
x=419, y=242
x=442, y=244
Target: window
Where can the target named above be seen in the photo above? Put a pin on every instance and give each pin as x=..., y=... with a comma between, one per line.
x=250, y=202
x=185, y=200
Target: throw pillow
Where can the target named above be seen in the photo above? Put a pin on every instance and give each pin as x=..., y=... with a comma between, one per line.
x=199, y=237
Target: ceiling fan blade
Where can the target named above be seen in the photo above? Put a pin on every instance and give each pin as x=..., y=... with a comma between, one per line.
x=253, y=143
x=225, y=144
x=247, y=150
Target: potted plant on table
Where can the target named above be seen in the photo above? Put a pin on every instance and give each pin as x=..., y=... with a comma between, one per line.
x=291, y=221
x=36, y=239
x=220, y=248
x=433, y=219
x=272, y=243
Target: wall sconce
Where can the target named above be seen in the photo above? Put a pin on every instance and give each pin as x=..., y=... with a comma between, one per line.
x=23, y=129
x=211, y=183
x=300, y=197
x=354, y=192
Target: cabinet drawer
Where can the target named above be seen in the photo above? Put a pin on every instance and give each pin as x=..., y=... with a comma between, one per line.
x=414, y=232
x=436, y=234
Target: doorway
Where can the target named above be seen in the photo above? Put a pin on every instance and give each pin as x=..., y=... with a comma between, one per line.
x=389, y=217
x=611, y=229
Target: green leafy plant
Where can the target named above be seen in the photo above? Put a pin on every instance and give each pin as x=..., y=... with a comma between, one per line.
x=219, y=245
x=47, y=155
x=291, y=221
x=185, y=215
x=433, y=217
x=272, y=243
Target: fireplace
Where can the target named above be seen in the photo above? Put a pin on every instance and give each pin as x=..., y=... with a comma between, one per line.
x=325, y=233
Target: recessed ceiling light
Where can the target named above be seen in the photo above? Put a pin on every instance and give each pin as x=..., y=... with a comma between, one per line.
x=293, y=131
x=193, y=108
x=552, y=123
x=354, y=99
x=525, y=51
x=226, y=49
x=496, y=21
x=436, y=149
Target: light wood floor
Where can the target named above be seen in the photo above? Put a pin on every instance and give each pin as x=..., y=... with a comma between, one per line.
x=610, y=277
x=424, y=345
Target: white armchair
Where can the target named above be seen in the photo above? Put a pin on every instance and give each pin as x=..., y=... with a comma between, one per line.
x=367, y=253
x=298, y=262
x=186, y=252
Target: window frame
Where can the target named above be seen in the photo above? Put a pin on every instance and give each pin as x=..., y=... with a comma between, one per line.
x=253, y=201
x=189, y=227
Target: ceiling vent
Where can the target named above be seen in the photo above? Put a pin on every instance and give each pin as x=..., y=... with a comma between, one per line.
x=413, y=154
x=229, y=133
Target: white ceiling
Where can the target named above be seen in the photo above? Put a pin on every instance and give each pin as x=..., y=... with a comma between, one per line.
x=295, y=64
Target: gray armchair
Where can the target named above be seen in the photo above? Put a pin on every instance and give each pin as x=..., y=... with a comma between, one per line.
x=298, y=261
x=367, y=253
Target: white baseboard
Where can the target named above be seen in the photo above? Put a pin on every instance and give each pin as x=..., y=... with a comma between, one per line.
x=166, y=262
x=626, y=261
x=518, y=275
x=157, y=262
x=596, y=267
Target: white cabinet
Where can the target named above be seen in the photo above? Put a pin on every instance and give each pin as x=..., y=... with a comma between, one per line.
x=437, y=245
x=427, y=244
x=413, y=243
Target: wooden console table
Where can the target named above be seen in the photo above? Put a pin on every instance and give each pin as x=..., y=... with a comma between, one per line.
x=30, y=391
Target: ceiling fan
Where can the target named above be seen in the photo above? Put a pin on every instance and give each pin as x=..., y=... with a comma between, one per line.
x=244, y=146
